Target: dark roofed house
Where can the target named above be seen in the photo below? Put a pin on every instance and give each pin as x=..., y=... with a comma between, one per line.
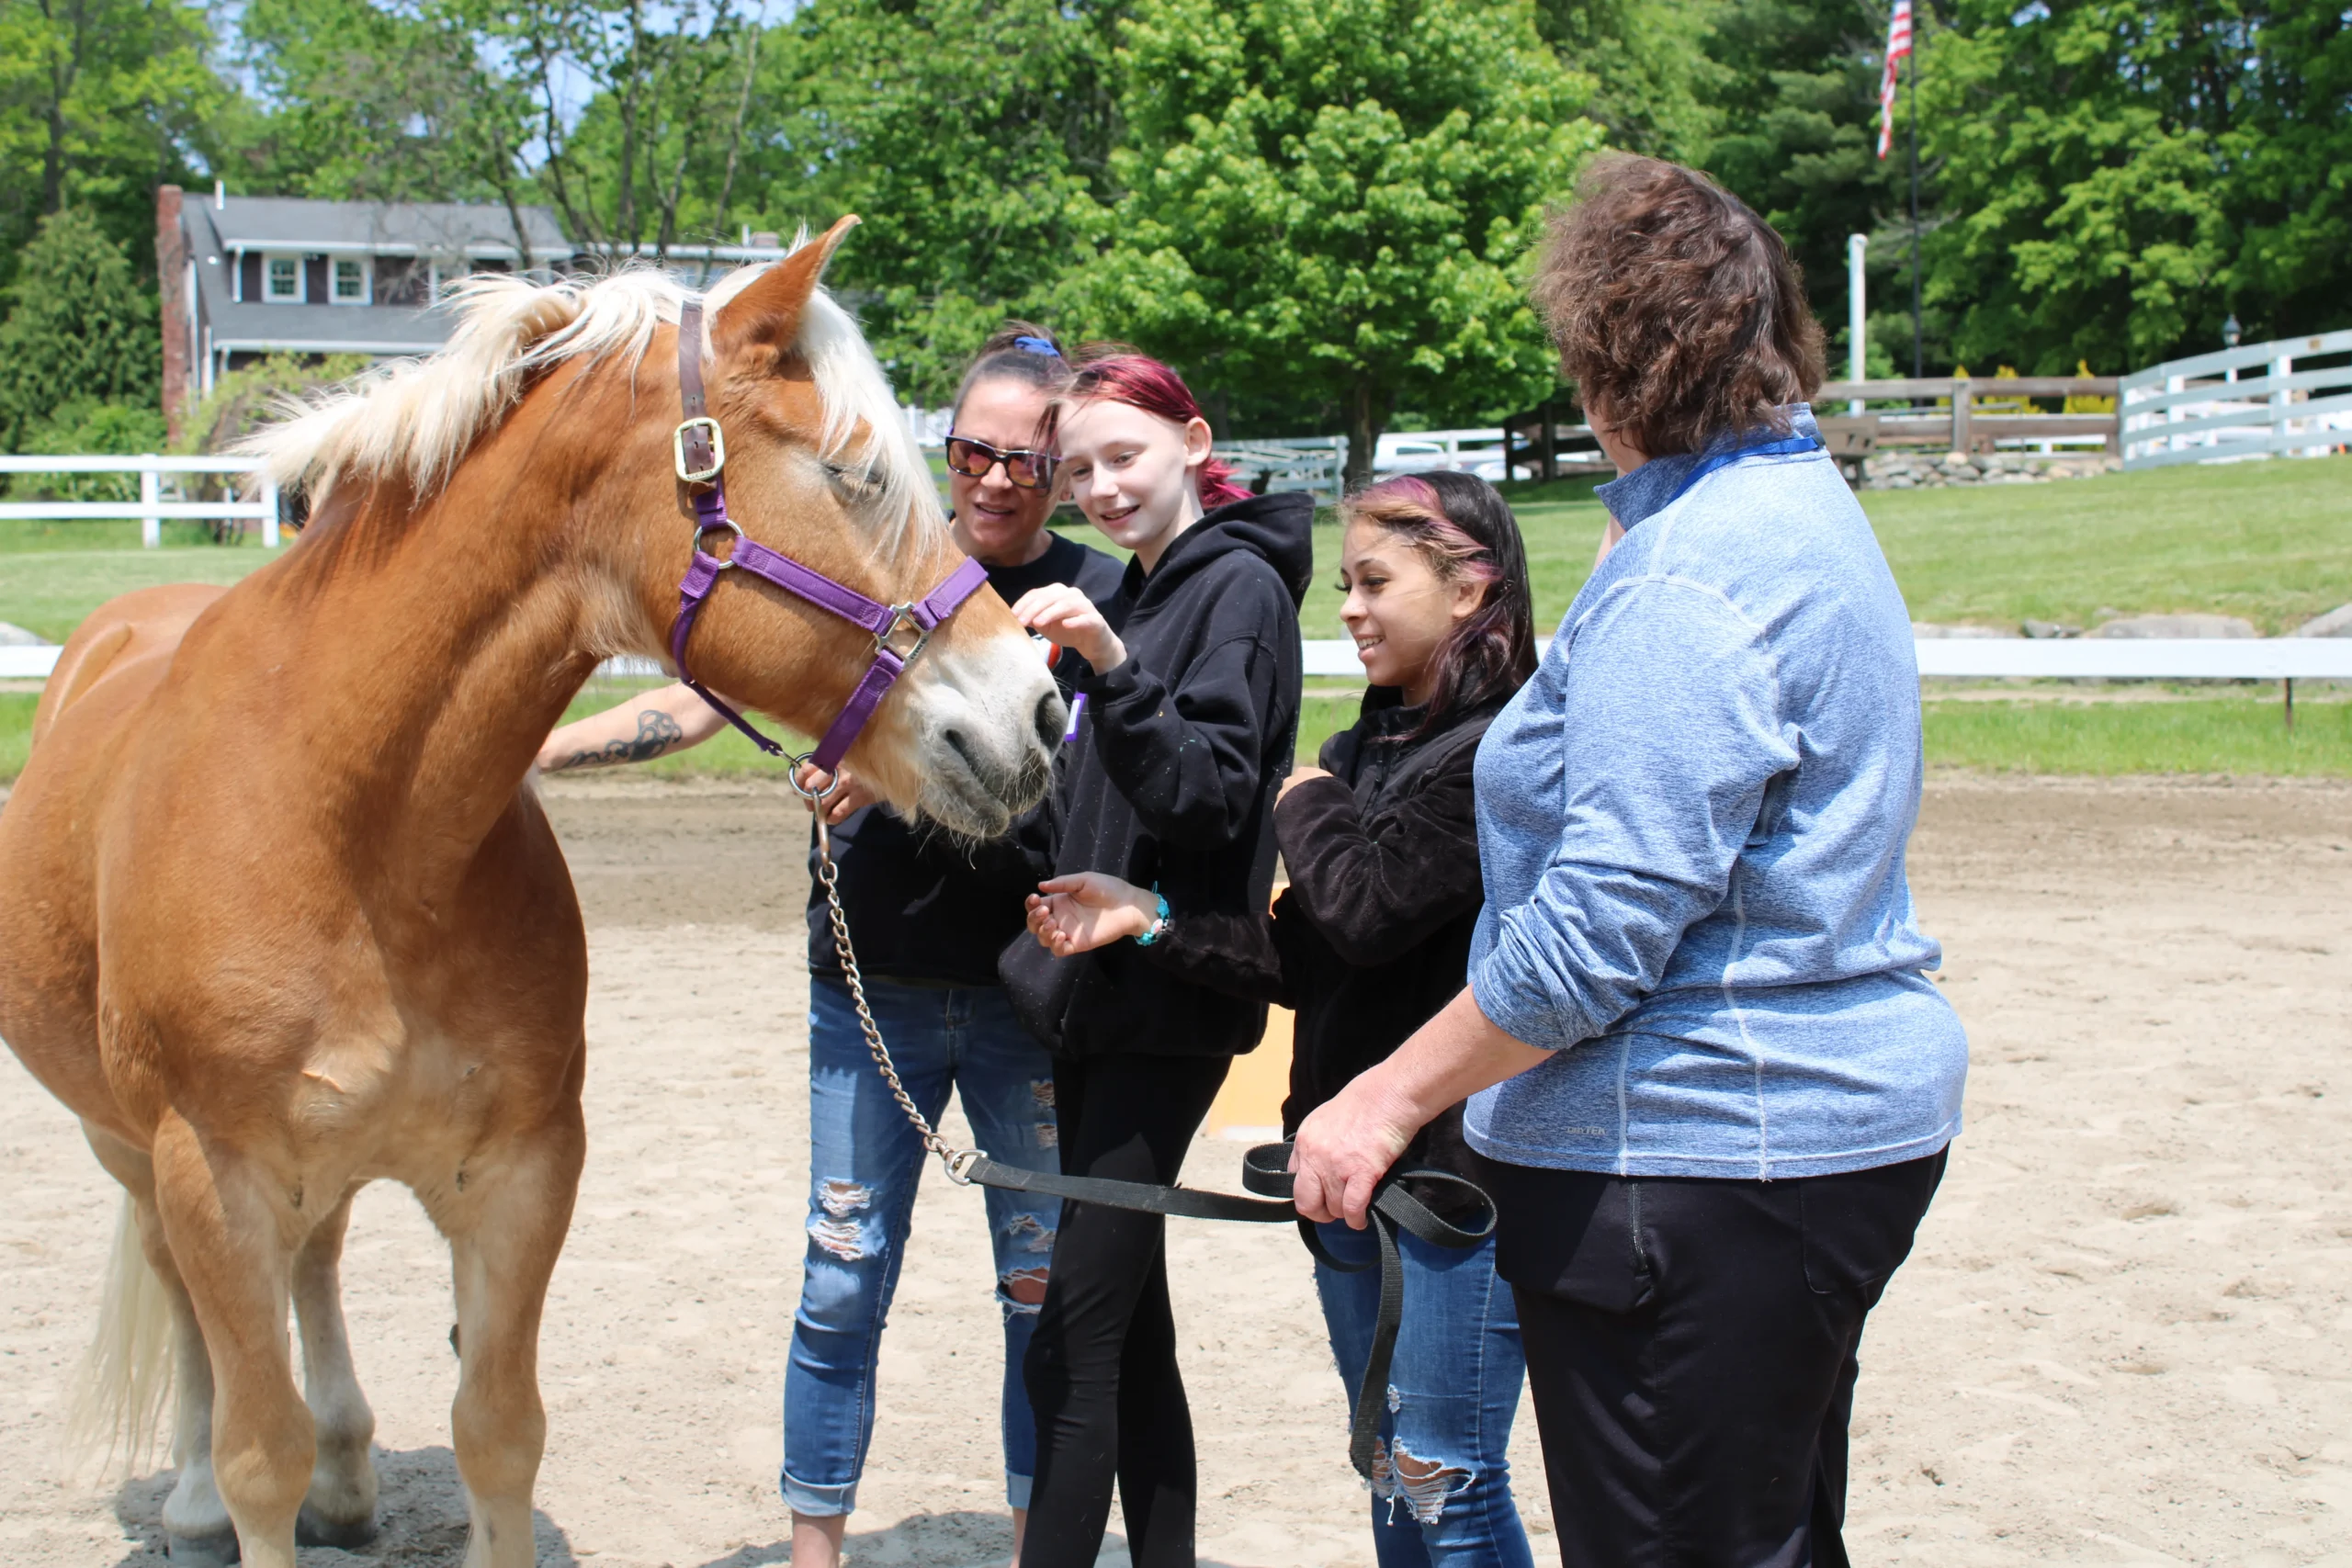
x=247, y=275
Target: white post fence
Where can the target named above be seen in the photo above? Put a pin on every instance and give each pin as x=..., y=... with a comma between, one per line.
x=151, y=509
x=2201, y=409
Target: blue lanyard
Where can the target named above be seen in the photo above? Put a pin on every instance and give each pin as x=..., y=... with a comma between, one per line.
x=1782, y=448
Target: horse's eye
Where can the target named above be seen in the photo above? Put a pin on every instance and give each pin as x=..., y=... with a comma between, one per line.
x=850, y=479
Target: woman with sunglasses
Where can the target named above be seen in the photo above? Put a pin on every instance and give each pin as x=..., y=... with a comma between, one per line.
x=929, y=917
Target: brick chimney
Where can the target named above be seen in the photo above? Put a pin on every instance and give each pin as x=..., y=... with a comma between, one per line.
x=171, y=268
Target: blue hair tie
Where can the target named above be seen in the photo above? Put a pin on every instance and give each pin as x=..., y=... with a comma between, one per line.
x=1038, y=346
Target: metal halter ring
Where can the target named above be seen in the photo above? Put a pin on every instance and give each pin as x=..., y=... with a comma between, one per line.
x=718, y=449
x=903, y=615
x=792, y=777
x=960, y=1165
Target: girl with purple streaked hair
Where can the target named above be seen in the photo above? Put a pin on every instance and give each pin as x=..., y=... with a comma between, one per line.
x=1372, y=938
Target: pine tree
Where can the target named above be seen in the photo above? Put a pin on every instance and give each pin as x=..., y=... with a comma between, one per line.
x=80, y=327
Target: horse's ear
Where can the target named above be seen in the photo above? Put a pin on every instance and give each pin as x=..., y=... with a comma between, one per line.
x=765, y=317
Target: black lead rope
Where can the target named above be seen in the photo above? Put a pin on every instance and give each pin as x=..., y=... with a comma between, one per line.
x=1266, y=1169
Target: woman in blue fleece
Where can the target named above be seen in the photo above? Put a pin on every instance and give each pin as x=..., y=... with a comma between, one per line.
x=1712, y=1082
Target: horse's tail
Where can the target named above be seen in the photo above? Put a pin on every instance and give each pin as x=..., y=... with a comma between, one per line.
x=125, y=1378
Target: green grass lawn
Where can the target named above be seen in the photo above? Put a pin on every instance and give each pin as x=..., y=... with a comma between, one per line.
x=2271, y=542
x=2231, y=735
x=53, y=574
x=2236, y=734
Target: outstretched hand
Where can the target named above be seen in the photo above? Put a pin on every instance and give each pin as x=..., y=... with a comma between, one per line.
x=1088, y=910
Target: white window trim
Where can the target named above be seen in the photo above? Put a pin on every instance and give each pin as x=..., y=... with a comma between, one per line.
x=367, y=280
x=270, y=296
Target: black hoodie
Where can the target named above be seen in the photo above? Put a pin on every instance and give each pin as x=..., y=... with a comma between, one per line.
x=1171, y=779
x=1372, y=938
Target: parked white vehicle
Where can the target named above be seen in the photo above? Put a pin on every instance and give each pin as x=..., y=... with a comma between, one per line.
x=1484, y=453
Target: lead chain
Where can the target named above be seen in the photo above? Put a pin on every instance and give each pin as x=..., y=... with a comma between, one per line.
x=829, y=877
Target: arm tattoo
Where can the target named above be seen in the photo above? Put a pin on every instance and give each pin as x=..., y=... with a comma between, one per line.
x=656, y=732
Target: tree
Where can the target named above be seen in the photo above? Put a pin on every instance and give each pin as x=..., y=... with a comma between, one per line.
x=80, y=326
x=2087, y=219
x=2290, y=144
x=1333, y=199
x=1795, y=137
x=973, y=137
x=671, y=87
x=100, y=101
x=364, y=102
x=1660, y=89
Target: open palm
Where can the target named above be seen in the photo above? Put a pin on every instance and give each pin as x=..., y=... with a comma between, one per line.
x=1082, y=912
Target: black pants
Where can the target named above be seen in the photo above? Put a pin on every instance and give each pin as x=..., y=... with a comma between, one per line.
x=1102, y=1366
x=1691, y=1346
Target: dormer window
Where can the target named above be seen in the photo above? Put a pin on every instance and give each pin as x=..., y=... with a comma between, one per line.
x=351, y=281
x=281, y=280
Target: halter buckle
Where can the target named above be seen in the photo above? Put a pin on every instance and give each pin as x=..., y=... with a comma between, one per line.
x=717, y=439
x=902, y=615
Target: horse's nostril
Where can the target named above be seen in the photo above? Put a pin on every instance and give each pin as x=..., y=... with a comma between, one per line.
x=1052, y=716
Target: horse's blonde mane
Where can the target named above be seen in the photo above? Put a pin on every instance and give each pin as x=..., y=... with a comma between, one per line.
x=417, y=419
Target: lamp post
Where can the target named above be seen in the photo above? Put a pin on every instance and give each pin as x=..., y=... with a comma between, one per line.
x=2229, y=332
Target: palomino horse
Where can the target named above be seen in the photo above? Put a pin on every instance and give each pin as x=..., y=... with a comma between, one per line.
x=280, y=913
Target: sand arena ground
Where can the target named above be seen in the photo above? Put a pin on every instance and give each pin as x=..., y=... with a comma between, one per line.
x=2119, y=1340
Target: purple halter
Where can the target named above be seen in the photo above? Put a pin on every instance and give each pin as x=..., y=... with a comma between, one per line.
x=701, y=452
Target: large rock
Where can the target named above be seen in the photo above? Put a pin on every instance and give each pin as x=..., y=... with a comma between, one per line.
x=2176, y=626
x=2336, y=622
x=17, y=637
x=1954, y=629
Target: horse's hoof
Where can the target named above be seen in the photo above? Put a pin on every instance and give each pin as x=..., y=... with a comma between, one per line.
x=311, y=1528
x=201, y=1551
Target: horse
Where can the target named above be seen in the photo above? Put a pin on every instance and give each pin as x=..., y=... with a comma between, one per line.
x=280, y=913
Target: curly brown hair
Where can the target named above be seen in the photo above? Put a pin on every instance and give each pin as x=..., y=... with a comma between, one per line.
x=1678, y=313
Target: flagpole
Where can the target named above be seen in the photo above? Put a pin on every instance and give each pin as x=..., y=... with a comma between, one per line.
x=1917, y=362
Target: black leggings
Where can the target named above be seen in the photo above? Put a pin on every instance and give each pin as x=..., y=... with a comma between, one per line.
x=1102, y=1366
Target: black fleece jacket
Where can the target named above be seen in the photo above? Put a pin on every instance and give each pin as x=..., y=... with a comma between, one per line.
x=1372, y=937
x=1172, y=780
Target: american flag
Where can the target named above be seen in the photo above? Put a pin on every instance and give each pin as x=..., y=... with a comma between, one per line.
x=1898, y=44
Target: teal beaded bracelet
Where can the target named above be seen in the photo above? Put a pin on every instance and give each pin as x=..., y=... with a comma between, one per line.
x=1158, y=927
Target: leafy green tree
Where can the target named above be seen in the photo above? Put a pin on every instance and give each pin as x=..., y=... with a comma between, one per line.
x=1796, y=139
x=974, y=138
x=1334, y=199
x=2120, y=176
x=81, y=325
x=670, y=86
x=2086, y=220
x=1659, y=87
x=360, y=101
x=2290, y=144
x=100, y=101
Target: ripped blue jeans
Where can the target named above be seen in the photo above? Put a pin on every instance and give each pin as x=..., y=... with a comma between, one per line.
x=1441, y=1485
x=863, y=1163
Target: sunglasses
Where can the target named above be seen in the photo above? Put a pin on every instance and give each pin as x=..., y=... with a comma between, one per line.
x=1024, y=469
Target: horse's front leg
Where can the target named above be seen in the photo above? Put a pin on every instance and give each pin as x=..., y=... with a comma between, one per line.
x=340, y=1508
x=504, y=1234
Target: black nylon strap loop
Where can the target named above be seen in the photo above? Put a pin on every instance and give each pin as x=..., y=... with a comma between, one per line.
x=1266, y=1169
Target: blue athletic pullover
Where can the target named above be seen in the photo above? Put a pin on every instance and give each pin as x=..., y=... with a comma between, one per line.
x=1691, y=826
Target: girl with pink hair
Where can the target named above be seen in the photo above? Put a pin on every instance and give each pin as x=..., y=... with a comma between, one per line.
x=1189, y=700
